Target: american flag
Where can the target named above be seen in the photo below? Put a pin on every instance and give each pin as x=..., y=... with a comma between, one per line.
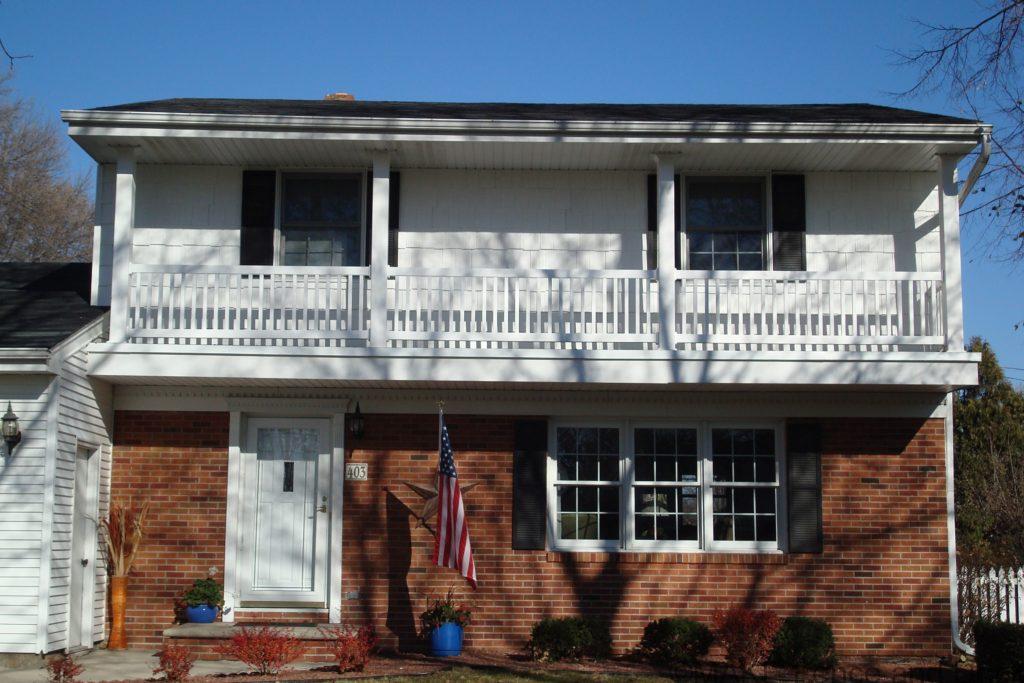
x=451, y=547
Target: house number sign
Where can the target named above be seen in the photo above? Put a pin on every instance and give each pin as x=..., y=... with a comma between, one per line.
x=356, y=471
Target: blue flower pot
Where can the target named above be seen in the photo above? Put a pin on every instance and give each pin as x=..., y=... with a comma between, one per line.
x=201, y=614
x=446, y=640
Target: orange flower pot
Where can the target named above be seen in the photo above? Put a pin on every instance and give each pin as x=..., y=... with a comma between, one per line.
x=118, y=605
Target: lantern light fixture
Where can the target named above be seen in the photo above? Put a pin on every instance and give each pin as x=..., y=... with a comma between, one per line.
x=355, y=423
x=11, y=431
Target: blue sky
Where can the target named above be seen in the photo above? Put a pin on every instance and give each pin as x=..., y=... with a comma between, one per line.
x=88, y=54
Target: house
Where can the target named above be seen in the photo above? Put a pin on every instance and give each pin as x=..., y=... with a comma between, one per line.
x=54, y=480
x=691, y=356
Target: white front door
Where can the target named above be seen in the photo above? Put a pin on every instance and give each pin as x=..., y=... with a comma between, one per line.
x=285, y=513
x=83, y=551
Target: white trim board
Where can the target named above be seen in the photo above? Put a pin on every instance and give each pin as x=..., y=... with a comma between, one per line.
x=656, y=404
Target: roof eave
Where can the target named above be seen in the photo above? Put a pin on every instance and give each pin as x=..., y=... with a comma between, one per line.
x=87, y=120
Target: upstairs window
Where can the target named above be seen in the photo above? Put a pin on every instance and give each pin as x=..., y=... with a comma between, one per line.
x=726, y=223
x=321, y=220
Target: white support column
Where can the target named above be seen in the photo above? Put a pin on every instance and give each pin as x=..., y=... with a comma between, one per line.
x=124, y=225
x=379, y=250
x=949, y=222
x=667, y=252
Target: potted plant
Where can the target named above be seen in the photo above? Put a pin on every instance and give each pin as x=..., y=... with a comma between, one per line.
x=443, y=623
x=122, y=535
x=203, y=601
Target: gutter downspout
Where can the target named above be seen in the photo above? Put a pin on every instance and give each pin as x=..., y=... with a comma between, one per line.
x=985, y=139
x=954, y=598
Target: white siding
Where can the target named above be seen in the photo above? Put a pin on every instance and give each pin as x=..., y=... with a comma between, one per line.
x=872, y=222
x=522, y=219
x=22, y=487
x=103, y=235
x=187, y=215
x=84, y=416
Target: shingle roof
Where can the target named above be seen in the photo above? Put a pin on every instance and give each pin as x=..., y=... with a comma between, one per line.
x=42, y=304
x=708, y=113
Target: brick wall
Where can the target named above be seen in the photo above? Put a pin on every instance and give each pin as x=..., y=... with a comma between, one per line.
x=881, y=581
x=178, y=462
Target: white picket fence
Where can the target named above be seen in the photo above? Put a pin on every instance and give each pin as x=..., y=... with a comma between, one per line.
x=991, y=593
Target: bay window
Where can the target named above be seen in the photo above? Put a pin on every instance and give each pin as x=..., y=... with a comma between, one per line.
x=621, y=485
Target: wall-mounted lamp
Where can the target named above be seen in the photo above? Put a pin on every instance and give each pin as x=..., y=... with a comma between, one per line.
x=11, y=432
x=355, y=423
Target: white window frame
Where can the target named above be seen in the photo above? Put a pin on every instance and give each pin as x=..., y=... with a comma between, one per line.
x=627, y=484
x=779, y=544
x=554, y=540
x=279, y=207
x=631, y=486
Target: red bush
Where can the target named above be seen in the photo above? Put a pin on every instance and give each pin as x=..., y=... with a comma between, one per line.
x=63, y=669
x=351, y=648
x=748, y=635
x=175, y=662
x=263, y=649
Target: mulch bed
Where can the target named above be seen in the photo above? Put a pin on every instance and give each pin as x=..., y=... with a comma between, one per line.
x=484, y=662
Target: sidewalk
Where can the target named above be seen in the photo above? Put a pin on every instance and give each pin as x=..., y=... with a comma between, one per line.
x=113, y=665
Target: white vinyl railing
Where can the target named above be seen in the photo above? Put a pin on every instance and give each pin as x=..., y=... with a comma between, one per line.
x=989, y=593
x=808, y=311
x=535, y=309
x=251, y=305
x=505, y=308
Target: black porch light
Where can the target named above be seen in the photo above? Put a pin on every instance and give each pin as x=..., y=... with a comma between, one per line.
x=355, y=423
x=11, y=432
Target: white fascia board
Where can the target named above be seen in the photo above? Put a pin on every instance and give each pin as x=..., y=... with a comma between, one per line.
x=25, y=361
x=82, y=123
x=116, y=362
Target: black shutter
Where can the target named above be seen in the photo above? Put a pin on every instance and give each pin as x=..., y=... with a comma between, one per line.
x=652, y=221
x=394, y=197
x=258, y=190
x=803, y=484
x=529, y=485
x=369, y=218
x=789, y=222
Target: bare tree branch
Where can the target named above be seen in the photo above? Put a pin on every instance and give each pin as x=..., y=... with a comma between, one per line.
x=10, y=56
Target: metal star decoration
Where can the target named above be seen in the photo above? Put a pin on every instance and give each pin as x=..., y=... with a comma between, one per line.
x=430, y=498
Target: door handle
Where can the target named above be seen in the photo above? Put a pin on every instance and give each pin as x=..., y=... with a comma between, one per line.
x=322, y=508
x=85, y=562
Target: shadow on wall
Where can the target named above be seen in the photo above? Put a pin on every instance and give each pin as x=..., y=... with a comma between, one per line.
x=400, y=618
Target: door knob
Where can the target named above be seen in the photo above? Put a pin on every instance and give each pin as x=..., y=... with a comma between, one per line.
x=85, y=562
x=322, y=508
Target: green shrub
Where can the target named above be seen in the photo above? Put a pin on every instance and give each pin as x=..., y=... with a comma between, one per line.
x=675, y=640
x=999, y=651
x=569, y=638
x=204, y=592
x=804, y=643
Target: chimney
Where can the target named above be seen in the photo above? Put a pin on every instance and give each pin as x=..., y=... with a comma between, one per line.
x=340, y=97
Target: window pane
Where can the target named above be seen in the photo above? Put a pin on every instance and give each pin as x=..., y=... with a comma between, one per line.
x=721, y=468
x=688, y=529
x=645, y=468
x=743, y=526
x=587, y=497
x=609, y=529
x=664, y=441
x=725, y=261
x=700, y=242
x=765, y=500
x=567, y=499
x=687, y=468
x=723, y=528
x=764, y=440
x=765, y=469
x=325, y=199
x=686, y=441
x=609, y=468
x=743, y=500
x=643, y=441
x=701, y=261
x=566, y=467
x=665, y=527
x=608, y=499
x=750, y=262
x=750, y=242
x=609, y=441
x=588, y=468
x=586, y=526
x=725, y=203
x=766, y=528
x=645, y=527
x=567, y=526
x=743, y=469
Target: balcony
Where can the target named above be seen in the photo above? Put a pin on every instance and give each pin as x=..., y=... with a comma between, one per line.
x=498, y=310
